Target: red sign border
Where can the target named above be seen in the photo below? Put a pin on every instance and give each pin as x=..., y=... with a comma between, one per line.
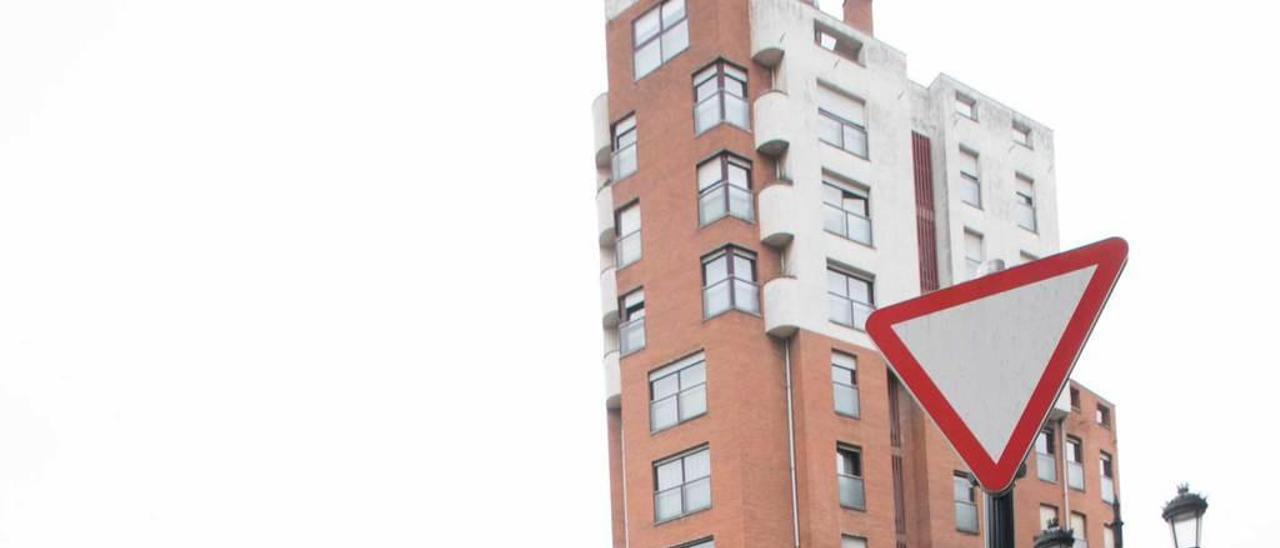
x=1109, y=255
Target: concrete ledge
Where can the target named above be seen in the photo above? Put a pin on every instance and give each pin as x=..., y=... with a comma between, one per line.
x=600, y=125
x=773, y=131
x=779, y=215
x=612, y=381
x=604, y=216
x=609, y=297
x=782, y=306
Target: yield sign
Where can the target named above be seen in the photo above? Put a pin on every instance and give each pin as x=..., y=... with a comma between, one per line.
x=987, y=359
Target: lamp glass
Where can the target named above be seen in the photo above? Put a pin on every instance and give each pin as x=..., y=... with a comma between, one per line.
x=1186, y=530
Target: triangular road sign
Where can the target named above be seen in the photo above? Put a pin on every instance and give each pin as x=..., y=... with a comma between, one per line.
x=986, y=359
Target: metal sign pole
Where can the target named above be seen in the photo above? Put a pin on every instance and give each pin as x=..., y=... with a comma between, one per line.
x=1000, y=519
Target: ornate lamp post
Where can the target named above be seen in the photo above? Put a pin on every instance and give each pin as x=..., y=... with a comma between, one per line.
x=1184, y=514
x=1055, y=537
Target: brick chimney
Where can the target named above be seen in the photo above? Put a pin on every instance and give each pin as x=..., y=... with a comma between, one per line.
x=857, y=14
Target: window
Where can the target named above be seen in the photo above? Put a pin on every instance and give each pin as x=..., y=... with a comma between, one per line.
x=847, y=541
x=973, y=254
x=842, y=121
x=1048, y=516
x=677, y=392
x=1108, y=537
x=1104, y=415
x=1075, y=398
x=849, y=477
x=1024, y=201
x=1075, y=466
x=660, y=34
x=704, y=543
x=1108, y=479
x=1022, y=134
x=1078, y=526
x=682, y=484
x=1046, y=462
x=628, y=232
x=970, y=183
x=844, y=379
x=828, y=39
x=846, y=212
x=1024, y=258
x=624, y=148
x=729, y=282
x=724, y=188
x=850, y=298
x=966, y=500
x=966, y=106
x=720, y=95
x=631, y=328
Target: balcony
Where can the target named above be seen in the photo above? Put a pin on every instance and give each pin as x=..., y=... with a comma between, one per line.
x=609, y=296
x=1062, y=406
x=782, y=306
x=774, y=123
x=600, y=123
x=779, y=215
x=771, y=21
x=612, y=380
x=1075, y=475
x=604, y=215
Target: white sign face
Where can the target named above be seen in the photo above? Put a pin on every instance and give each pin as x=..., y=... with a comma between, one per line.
x=987, y=359
x=987, y=356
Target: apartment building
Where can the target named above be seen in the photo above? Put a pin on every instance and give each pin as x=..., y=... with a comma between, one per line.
x=767, y=176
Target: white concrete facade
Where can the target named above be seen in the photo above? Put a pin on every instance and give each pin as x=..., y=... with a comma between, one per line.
x=791, y=212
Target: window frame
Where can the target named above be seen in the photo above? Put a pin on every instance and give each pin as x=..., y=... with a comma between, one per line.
x=846, y=191
x=726, y=159
x=663, y=28
x=721, y=75
x=1103, y=416
x=859, y=475
x=1024, y=131
x=1075, y=460
x=684, y=483
x=971, y=502
x=677, y=369
x=1026, y=200
x=618, y=149
x=729, y=253
x=843, y=123
x=853, y=53
x=869, y=280
x=1051, y=456
x=837, y=385
x=970, y=103
x=972, y=178
x=627, y=320
x=1106, y=472
x=969, y=262
x=620, y=238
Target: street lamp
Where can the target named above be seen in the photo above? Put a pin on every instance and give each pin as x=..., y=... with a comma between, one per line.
x=1055, y=537
x=1184, y=514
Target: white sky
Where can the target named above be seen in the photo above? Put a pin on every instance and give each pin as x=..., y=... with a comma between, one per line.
x=286, y=273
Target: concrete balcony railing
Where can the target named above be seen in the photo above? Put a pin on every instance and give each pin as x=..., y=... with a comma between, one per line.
x=1061, y=407
x=774, y=125
x=609, y=297
x=771, y=23
x=600, y=123
x=782, y=306
x=779, y=214
x=612, y=380
x=604, y=215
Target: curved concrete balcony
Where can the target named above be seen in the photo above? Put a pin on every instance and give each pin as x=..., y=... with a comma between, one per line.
x=773, y=124
x=600, y=123
x=779, y=214
x=782, y=306
x=604, y=215
x=770, y=22
x=609, y=297
x=612, y=380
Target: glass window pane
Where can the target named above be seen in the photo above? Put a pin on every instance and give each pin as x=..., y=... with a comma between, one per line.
x=739, y=176
x=667, y=505
x=706, y=89
x=859, y=290
x=743, y=268
x=832, y=194
x=709, y=173
x=666, y=386
x=697, y=495
x=716, y=298
x=970, y=192
x=712, y=205
x=746, y=296
x=647, y=26
x=693, y=402
x=833, y=220
x=859, y=229
x=707, y=114
x=838, y=310
x=846, y=398
x=670, y=474
x=697, y=465
x=663, y=413
x=672, y=11
x=716, y=269
x=648, y=58
x=629, y=220
x=693, y=375
x=735, y=73
x=740, y=203
x=829, y=131
x=675, y=40
x=855, y=140
x=837, y=283
x=736, y=111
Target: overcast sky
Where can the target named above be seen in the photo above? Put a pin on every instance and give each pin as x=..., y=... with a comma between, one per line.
x=322, y=273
